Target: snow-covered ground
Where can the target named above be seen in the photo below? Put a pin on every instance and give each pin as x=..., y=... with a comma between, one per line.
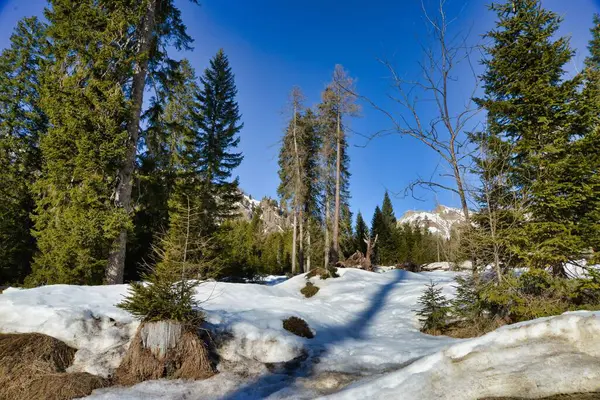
x=366, y=335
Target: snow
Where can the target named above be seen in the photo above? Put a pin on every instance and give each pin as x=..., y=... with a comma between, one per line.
x=537, y=358
x=366, y=332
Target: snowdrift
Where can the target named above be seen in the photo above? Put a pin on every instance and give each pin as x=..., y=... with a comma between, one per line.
x=533, y=359
x=365, y=330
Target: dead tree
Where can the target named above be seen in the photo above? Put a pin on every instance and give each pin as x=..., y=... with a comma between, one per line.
x=370, y=247
x=445, y=132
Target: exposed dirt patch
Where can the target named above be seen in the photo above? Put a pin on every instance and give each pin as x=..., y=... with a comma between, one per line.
x=298, y=327
x=573, y=396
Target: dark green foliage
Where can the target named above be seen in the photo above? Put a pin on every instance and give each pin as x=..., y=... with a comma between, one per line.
x=309, y=290
x=77, y=220
x=298, y=327
x=22, y=122
x=218, y=123
x=535, y=113
x=433, y=314
x=361, y=232
x=467, y=303
x=160, y=299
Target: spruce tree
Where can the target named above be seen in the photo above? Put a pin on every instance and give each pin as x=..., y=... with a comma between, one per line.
x=434, y=310
x=22, y=122
x=530, y=106
x=218, y=123
x=361, y=232
x=76, y=218
x=147, y=29
x=388, y=234
x=377, y=228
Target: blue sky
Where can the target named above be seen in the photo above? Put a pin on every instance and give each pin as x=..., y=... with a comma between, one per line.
x=273, y=45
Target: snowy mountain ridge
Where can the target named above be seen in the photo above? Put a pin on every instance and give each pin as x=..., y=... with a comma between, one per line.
x=439, y=221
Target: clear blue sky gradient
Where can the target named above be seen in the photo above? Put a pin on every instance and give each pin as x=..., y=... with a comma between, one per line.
x=273, y=45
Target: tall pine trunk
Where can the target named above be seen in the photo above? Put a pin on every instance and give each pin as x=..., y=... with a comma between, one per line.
x=308, y=248
x=294, y=242
x=336, y=214
x=301, y=241
x=116, y=259
x=297, y=196
x=327, y=246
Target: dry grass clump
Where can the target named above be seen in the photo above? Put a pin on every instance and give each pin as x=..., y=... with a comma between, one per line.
x=189, y=359
x=309, y=290
x=32, y=367
x=298, y=327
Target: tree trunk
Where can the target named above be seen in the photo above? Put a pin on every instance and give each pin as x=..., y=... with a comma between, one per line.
x=327, y=217
x=308, y=248
x=301, y=242
x=297, y=197
x=116, y=258
x=294, y=241
x=336, y=214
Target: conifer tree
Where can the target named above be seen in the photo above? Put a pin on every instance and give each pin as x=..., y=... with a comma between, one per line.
x=218, y=123
x=147, y=29
x=87, y=108
x=361, y=231
x=22, y=122
x=168, y=166
x=388, y=237
x=338, y=103
x=435, y=307
x=377, y=228
x=530, y=105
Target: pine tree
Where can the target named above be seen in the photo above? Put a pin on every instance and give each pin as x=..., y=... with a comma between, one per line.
x=87, y=108
x=291, y=187
x=168, y=166
x=377, y=228
x=337, y=104
x=388, y=234
x=530, y=105
x=361, y=231
x=434, y=308
x=147, y=29
x=22, y=122
x=218, y=121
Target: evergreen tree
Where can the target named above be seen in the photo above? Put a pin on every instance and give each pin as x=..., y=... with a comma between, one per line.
x=337, y=104
x=434, y=308
x=388, y=234
x=377, y=227
x=361, y=231
x=530, y=106
x=87, y=108
x=218, y=121
x=168, y=167
x=147, y=29
x=22, y=122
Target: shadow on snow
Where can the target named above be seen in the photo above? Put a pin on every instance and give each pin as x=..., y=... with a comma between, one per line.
x=271, y=383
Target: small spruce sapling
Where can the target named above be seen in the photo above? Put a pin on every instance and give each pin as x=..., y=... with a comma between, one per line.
x=434, y=308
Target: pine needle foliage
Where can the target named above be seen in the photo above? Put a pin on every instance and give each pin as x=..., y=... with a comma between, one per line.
x=434, y=308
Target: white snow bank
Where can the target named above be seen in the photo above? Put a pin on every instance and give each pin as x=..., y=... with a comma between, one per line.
x=84, y=317
x=533, y=359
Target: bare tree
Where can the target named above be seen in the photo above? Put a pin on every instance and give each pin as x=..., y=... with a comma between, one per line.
x=370, y=246
x=446, y=131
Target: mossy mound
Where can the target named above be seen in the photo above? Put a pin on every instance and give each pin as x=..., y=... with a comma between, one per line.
x=323, y=273
x=298, y=327
x=309, y=290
